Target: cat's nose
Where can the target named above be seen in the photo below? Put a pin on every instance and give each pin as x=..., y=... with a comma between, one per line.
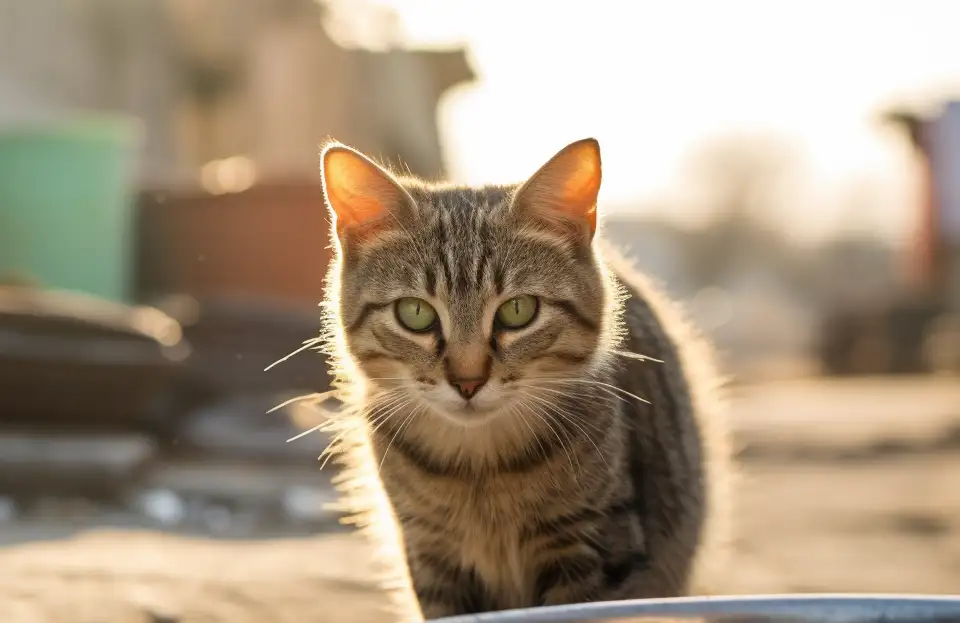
x=467, y=367
x=468, y=387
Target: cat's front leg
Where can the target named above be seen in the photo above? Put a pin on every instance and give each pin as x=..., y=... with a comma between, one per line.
x=585, y=573
x=572, y=576
x=431, y=609
x=445, y=588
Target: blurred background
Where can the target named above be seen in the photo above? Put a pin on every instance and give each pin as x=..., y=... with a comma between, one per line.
x=790, y=171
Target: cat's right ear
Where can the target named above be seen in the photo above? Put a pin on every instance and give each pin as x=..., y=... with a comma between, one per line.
x=363, y=198
x=563, y=193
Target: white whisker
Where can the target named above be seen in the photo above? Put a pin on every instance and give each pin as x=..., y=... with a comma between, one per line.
x=405, y=423
x=544, y=417
x=307, y=432
x=598, y=384
x=318, y=397
x=306, y=346
x=637, y=356
x=572, y=420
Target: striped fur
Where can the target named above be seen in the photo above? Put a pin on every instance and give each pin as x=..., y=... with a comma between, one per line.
x=581, y=471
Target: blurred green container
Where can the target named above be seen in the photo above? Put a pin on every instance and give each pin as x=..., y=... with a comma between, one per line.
x=65, y=204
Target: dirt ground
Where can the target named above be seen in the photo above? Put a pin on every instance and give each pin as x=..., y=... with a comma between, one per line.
x=844, y=486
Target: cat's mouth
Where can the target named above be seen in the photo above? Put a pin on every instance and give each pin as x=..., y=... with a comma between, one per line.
x=469, y=414
x=482, y=407
x=472, y=408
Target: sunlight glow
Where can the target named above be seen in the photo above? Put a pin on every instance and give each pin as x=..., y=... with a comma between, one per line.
x=652, y=79
x=230, y=175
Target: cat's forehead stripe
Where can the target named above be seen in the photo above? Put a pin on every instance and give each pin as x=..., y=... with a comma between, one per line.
x=466, y=247
x=458, y=229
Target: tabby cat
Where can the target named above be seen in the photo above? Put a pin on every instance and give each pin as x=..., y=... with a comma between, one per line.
x=533, y=424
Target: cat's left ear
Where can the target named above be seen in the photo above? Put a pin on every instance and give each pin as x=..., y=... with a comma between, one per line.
x=564, y=191
x=363, y=197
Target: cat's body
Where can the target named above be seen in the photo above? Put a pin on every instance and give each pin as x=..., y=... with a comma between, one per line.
x=530, y=452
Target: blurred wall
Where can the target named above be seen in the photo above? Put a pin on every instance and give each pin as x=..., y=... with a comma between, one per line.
x=64, y=56
x=219, y=78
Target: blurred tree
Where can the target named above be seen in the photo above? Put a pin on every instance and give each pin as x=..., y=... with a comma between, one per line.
x=742, y=181
x=744, y=175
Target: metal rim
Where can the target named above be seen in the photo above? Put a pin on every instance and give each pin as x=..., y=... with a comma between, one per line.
x=823, y=608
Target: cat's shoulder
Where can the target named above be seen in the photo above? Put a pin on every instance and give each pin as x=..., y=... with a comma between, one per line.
x=647, y=307
x=644, y=299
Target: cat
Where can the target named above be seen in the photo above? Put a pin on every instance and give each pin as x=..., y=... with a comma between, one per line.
x=529, y=421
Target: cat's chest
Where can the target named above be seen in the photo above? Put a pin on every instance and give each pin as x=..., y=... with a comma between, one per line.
x=496, y=556
x=489, y=522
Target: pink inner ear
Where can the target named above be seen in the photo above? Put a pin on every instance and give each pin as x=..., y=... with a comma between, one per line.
x=568, y=185
x=579, y=196
x=358, y=192
x=583, y=185
x=355, y=209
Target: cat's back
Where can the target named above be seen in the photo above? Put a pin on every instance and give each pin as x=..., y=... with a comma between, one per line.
x=681, y=431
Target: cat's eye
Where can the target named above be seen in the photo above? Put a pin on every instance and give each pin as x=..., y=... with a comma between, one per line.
x=415, y=314
x=518, y=312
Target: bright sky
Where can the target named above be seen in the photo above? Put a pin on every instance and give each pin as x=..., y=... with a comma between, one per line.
x=651, y=79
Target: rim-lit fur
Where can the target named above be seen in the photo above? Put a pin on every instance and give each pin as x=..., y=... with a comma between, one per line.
x=560, y=426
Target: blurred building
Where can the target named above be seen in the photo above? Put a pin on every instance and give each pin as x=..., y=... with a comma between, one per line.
x=220, y=78
x=936, y=254
x=82, y=56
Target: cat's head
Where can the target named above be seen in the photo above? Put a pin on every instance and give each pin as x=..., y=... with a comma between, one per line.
x=467, y=301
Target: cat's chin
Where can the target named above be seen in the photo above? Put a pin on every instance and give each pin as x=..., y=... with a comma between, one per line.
x=468, y=413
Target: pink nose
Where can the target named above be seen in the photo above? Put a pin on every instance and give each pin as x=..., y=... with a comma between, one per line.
x=468, y=387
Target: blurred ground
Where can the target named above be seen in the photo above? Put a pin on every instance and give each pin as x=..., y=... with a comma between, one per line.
x=844, y=486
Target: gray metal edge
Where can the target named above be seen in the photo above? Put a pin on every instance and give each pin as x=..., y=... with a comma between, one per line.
x=822, y=608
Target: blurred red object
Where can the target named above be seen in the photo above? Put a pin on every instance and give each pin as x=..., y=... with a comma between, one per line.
x=270, y=241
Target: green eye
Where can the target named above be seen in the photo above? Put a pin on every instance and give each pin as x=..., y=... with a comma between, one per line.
x=415, y=314
x=518, y=312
